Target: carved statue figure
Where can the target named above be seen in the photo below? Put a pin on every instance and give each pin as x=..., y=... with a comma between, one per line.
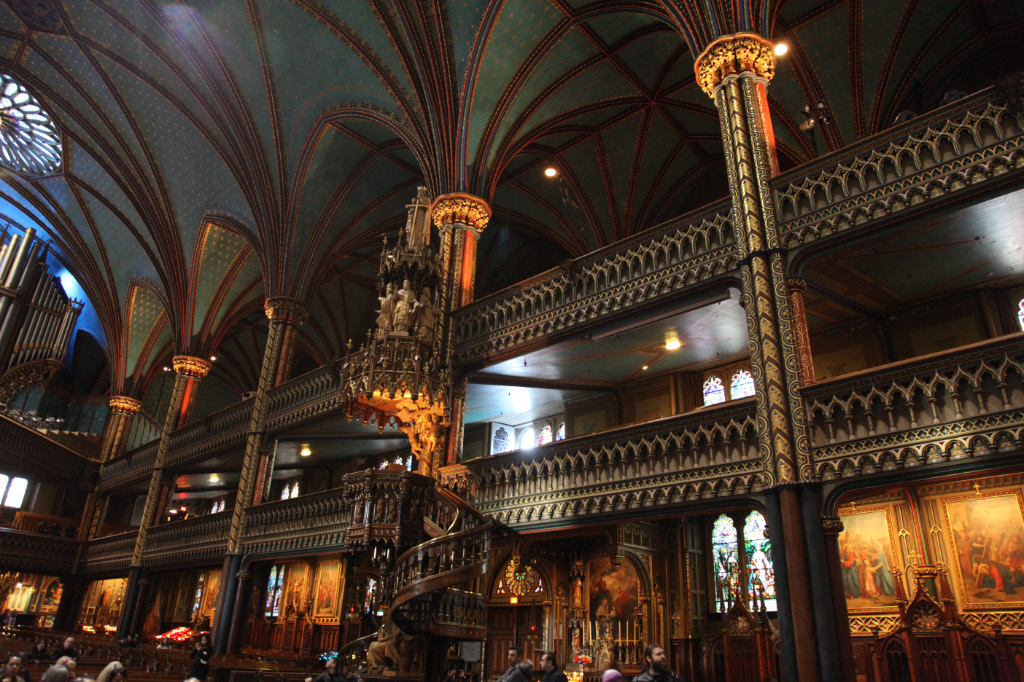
x=417, y=225
x=386, y=318
x=405, y=302
x=393, y=650
x=426, y=314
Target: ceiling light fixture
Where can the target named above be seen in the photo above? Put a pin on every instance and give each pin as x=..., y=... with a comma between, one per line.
x=305, y=451
x=214, y=478
x=672, y=341
x=781, y=49
x=551, y=171
x=213, y=358
x=645, y=368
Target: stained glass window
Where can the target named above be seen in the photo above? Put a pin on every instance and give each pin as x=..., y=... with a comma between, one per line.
x=742, y=384
x=29, y=141
x=500, y=442
x=16, y=492
x=561, y=432
x=199, y=595
x=725, y=548
x=273, y=607
x=714, y=391
x=370, y=596
x=758, y=547
x=545, y=436
x=1020, y=313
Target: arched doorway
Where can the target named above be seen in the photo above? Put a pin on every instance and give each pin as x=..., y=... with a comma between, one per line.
x=519, y=613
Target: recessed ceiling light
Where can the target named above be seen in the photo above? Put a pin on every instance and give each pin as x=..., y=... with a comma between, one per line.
x=214, y=478
x=781, y=48
x=645, y=367
x=551, y=171
x=305, y=451
x=673, y=344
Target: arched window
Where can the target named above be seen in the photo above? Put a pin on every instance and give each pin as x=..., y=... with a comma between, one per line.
x=545, y=435
x=1020, y=313
x=714, y=391
x=742, y=384
x=528, y=439
x=726, y=551
x=561, y=432
x=500, y=442
x=370, y=598
x=758, y=548
x=199, y=595
x=519, y=580
x=273, y=607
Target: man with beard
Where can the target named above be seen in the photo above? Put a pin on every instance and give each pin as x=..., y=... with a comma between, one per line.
x=657, y=669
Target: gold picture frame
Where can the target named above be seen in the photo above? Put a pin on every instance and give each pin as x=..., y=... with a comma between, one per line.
x=986, y=541
x=327, y=595
x=869, y=559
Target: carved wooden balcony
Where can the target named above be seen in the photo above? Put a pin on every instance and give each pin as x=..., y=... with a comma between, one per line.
x=40, y=457
x=386, y=507
x=193, y=540
x=711, y=452
x=111, y=554
x=944, y=407
x=967, y=145
x=36, y=552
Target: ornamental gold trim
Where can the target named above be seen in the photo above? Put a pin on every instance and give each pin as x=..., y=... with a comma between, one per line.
x=286, y=309
x=460, y=209
x=731, y=55
x=190, y=366
x=124, y=404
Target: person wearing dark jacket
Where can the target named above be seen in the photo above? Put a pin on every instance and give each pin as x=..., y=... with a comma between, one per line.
x=514, y=672
x=551, y=672
x=67, y=649
x=657, y=669
x=201, y=658
x=331, y=672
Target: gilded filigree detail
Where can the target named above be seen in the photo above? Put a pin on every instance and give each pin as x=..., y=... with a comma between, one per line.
x=460, y=209
x=125, y=405
x=190, y=366
x=286, y=309
x=731, y=55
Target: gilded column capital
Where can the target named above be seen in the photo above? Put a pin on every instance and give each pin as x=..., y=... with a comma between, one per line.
x=797, y=284
x=832, y=525
x=124, y=404
x=286, y=309
x=731, y=55
x=460, y=209
x=190, y=366
x=243, y=575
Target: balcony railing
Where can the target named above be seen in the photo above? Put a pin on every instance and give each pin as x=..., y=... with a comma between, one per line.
x=966, y=144
x=192, y=540
x=964, y=403
x=711, y=452
x=41, y=457
x=36, y=553
x=110, y=554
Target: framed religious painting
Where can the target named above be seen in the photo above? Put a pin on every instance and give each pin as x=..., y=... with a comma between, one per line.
x=986, y=536
x=868, y=559
x=328, y=590
x=294, y=595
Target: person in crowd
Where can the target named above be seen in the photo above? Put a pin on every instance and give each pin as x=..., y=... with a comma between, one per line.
x=67, y=662
x=513, y=673
x=39, y=652
x=525, y=668
x=351, y=675
x=330, y=673
x=56, y=673
x=201, y=658
x=656, y=667
x=551, y=673
x=13, y=671
x=67, y=649
x=113, y=672
x=611, y=675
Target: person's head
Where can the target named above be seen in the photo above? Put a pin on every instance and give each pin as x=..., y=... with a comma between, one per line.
x=69, y=642
x=611, y=675
x=657, y=662
x=13, y=667
x=204, y=640
x=66, y=662
x=331, y=665
x=515, y=654
x=526, y=667
x=41, y=645
x=547, y=662
x=114, y=672
x=56, y=673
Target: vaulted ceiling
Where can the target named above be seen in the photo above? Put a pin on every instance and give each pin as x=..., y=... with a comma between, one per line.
x=218, y=152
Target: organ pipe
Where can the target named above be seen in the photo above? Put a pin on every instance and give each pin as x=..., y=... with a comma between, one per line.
x=36, y=315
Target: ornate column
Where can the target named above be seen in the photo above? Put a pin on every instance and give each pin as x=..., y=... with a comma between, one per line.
x=189, y=371
x=460, y=218
x=284, y=313
x=238, y=619
x=797, y=289
x=831, y=527
x=735, y=70
x=122, y=410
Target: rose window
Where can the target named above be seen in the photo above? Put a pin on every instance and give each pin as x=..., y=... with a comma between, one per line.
x=29, y=141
